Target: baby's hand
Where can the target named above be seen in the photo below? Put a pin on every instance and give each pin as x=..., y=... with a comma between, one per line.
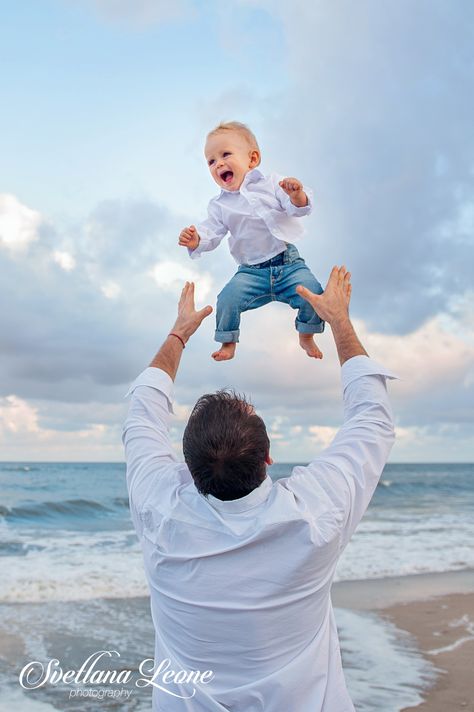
x=291, y=185
x=189, y=237
x=294, y=188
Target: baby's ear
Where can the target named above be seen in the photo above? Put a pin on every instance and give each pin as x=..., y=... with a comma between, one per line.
x=255, y=157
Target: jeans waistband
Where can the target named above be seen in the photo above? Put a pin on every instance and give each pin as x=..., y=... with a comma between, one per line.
x=283, y=258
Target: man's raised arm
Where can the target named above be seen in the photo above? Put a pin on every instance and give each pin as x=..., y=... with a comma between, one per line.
x=343, y=478
x=146, y=438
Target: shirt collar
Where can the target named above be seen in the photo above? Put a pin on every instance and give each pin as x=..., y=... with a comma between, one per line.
x=251, y=500
x=251, y=177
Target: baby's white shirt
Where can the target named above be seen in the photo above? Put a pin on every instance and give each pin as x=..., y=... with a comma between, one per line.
x=260, y=217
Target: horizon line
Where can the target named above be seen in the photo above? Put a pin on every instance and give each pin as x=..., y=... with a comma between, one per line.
x=280, y=462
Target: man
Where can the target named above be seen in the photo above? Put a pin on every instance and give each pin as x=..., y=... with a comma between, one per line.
x=240, y=568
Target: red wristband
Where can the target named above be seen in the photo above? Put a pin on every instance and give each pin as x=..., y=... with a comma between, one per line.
x=178, y=337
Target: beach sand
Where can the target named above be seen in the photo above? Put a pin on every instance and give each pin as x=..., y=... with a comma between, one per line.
x=444, y=630
x=438, y=611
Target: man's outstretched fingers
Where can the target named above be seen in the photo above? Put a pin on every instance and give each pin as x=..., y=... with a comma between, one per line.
x=190, y=292
x=334, y=276
x=341, y=275
x=347, y=287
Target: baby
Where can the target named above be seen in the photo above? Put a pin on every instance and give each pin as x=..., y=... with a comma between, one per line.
x=261, y=214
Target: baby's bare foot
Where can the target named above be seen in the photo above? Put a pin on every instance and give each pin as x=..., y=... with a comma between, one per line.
x=307, y=343
x=225, y=353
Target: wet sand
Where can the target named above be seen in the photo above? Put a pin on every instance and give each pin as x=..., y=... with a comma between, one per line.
x=444, y=630
x=438, y=611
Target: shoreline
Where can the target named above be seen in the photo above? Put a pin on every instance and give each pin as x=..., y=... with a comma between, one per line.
x=379, y=593
x=437, y=610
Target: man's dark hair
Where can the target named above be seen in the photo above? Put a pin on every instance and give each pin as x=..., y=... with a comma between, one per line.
x=225, y=445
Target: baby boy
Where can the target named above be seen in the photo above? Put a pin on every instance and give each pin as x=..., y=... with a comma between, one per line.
x=261, y=214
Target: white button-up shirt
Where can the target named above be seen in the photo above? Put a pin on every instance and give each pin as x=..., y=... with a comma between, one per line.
x=242, y=587
x=260, y=218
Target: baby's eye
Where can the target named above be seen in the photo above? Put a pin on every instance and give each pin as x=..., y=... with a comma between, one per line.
x=211, y=161
x=226, y=153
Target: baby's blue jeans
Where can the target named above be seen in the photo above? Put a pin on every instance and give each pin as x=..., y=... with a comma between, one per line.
x=252, y=286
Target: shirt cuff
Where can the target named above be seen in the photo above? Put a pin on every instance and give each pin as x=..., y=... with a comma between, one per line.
x=359, y=366
x=158, y=379
x=194, y=254
x=294, y=210
x=197, y=252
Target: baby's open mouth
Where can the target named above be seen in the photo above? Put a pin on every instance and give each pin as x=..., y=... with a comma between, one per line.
x=227, y=176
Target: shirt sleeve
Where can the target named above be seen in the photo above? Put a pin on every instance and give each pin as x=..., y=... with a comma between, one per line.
x=148, y=450
x=285, y=202
x=211, y=231
x=343, y=478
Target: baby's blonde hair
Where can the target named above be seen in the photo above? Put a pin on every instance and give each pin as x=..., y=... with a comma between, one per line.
x=241, y=129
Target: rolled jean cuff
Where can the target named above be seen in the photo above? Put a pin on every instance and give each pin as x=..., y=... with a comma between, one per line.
x=227, y=337
x=303, y=328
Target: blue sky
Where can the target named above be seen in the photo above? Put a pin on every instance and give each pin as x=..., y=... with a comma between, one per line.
x=105, y=107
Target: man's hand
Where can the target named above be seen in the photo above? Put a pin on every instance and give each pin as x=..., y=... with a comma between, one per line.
x=294, y=188
x=169, y=356
x=333, y=307
x=188, y=318
x=189, y=237
x=333, y=304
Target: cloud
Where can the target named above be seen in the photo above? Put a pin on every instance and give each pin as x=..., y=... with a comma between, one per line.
x=436, y=365
x=111, y=290
x=125, y=235
x=19, y=224
x=171, y=276
x=439, y=442
x=17, y=416
x=377, y=117
x=81, y=333
x=64, y=259
x=373, y=109
x=436, y=352
x=23, y=436
x=374, y=112
x=322, y=434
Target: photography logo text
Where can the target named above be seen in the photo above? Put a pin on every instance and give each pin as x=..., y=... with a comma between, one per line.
x=94, y=679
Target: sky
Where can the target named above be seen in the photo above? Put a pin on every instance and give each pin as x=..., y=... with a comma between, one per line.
x=105, y=109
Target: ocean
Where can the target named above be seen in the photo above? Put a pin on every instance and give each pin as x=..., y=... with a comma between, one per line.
x=72, y=581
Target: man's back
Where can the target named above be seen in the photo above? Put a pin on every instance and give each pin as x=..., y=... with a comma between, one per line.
x=242, y=587
x=242, y=592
